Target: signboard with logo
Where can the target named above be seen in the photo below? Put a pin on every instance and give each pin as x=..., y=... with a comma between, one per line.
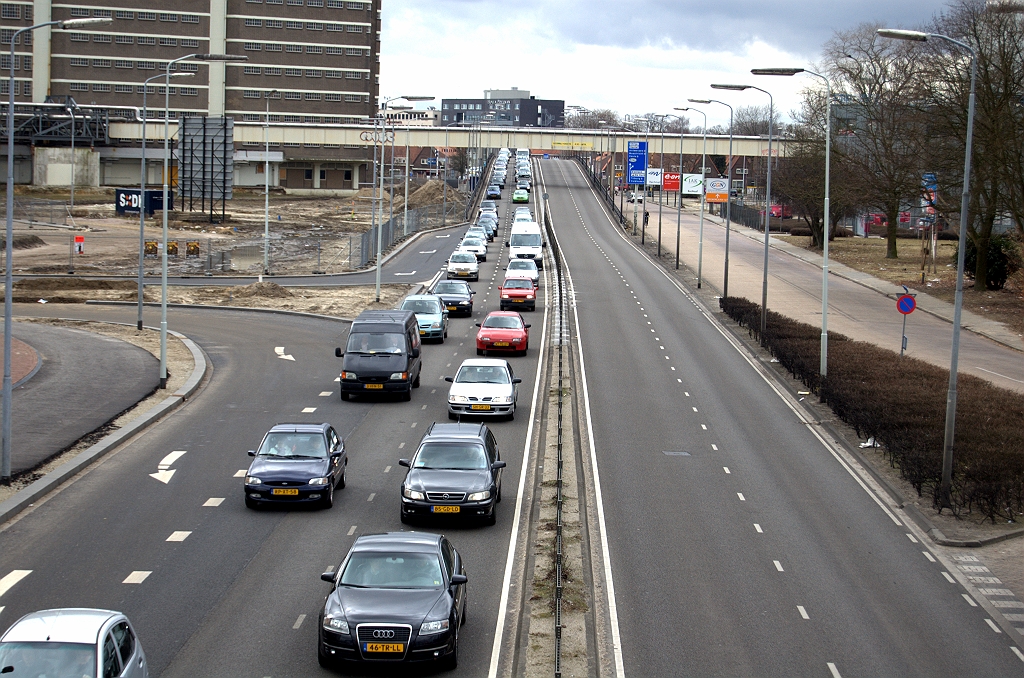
x=654, y=176
x=717, y=190
x=636, y=161
x=691, y=184
x=670, y=182
x=79, y=244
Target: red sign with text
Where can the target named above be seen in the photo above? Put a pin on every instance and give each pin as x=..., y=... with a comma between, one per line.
x=670, y=181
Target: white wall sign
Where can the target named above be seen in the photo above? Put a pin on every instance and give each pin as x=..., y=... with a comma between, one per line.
x=654, y=176
x=691, y=184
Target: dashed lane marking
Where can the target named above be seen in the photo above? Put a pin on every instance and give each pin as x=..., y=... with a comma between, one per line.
x=803, y=612
x=949, y=577
x=324, y=394
x=714, y=447
x=351, y=530
x=179, y=535
x=214, y=501
x=970, y=601
x=726, y=469
x=308, y=410
x=740, y=495
x=401, y=445
x=279, y=350
x=1015, y=650
x=11, y=579
x=137, y=577
x=930, y=557
x=372, y=495
x=912, y=538
x=833, y=670
x=387, y=469
x=778, y=566
x=993, y=626
x=298, y=622
x=758, y=529
x=240, y=473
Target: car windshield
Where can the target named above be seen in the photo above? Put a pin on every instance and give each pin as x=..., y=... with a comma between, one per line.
x=392, y=570
x=463, y=258
x=294, y=445
x=482, y=374
x=49, y=659
x=518, y=284
x=525, y=240
x=523, y=218
x=450, y=288
x=453, y=456
x=376, y=342
x=522, y=265
x=488, y=203
x=472, y=242
x=507, y=322
x=424, y=306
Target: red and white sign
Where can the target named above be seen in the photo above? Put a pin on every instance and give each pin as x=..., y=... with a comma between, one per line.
x=671, y=180
x=79, y=244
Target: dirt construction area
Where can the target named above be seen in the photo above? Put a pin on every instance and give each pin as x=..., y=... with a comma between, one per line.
x=306, y=234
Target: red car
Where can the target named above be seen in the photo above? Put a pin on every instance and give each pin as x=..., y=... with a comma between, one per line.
x=503, y=331
x=517, y=292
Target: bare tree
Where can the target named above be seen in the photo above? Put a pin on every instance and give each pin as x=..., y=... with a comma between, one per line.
x=591, y=119
x=753, y=121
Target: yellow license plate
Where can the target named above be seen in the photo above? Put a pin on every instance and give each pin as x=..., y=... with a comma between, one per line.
x=453, y=308
x=377, y=386
x=423, y=331
x=479, y=407
x=501, y=343
x=518, y=301
x=444, y=509
x=384, y=647
x=285, y=492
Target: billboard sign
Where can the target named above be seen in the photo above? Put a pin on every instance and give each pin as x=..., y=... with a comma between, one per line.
x=654, y=176
x=671, y=181
x=636, y=161
x=717, y=190
x=691, y=184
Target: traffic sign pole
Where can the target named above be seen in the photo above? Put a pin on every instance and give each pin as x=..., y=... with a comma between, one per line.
x=905, y=304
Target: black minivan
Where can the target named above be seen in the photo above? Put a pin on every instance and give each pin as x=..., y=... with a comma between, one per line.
x=382, y=355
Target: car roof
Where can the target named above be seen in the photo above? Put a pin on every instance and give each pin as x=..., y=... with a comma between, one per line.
x=299, y=428
x=421, y=297
x=422, y=542
x=503, y=313
x=457, y=431
x=484, y=362
x=517, y=277
x=63, y=625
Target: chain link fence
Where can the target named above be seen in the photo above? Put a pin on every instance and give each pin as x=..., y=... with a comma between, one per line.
x=397, y=229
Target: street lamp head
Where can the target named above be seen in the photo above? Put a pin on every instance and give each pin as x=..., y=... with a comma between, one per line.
x=417, y=97
x=680, y=108
x=731, y=88
x=697, y=101
x=776, y=71
x=1005, y=6
x=899, y=34
x=220, y=57
x=75, y=23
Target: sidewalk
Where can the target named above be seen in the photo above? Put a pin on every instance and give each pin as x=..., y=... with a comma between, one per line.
x=861, y=306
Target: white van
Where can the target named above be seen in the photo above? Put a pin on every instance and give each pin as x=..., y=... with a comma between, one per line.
x=522, y=154
x=526, y=242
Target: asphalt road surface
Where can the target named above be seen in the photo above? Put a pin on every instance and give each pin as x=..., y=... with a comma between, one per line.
x=222, y=590
x=740, y=544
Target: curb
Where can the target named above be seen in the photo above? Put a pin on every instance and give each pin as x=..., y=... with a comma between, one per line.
x=30, y=494
x=279, y=311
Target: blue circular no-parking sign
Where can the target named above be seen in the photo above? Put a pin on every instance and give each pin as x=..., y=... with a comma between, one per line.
x=906, y=304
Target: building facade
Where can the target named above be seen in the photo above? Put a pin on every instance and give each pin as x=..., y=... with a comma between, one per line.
x=513, y=107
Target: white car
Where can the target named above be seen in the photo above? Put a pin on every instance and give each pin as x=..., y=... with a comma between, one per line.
x=484, y=386
x=523, y=268
x=523, y=218
x=476, y=246
x=73, y=642
x=463, y=266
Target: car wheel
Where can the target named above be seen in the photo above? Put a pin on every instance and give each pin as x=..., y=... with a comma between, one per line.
x=344, y=477
x=404, y=518
x=416, y=383
x=324, y=661
x=328, y=501
x=407, y=396
x=512, y=413
x=250, y=504
x=453, y=416
x=345, y=396
x=493, y=518
x=452, y=662
x=497, y=498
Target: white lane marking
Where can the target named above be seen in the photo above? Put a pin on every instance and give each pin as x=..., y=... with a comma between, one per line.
x=686, y=393
x=326, y=393
x=1000, y=375
x=448, y=235
x=409, y=273
x=758, y=528
x=279, y=350
x=308, y=410
x=351, y=530
x=1015, y=650
x=433, y=391
x=833, y=670
x=679, y=380
x=298, y=622
x=163, y=476
x=695, y=409
x=166, y=462
x=499, y=628
x=704, y=427
x=673, y=369
x=137, y=577
x=948, y=577
x=930, y=557
x=912, y=538
x=740, y=495
x=778, y=566
x=214, y=501
x=11, y=579
x=424, y=407
x=178, y=535
x=803, y=612
x=240, y=473
x=401, y=445
x=727, y=469
x=993, y=625
x=970, y=601
x=435, y=251
x=714, y=447
x=387, y=469
x=372, y=495
x=337, y=379
x=414, y=424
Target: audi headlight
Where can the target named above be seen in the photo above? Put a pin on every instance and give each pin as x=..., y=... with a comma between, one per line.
x=458, y=399
x=413, y=494
x=432, y=627
x=336, y=624
x=319, y=481
x=349, y=375
x=463, y=303
x=479, y=496
x=252, y=480
x=399, y=376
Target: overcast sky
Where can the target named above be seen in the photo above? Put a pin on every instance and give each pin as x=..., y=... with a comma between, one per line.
x=633, y=57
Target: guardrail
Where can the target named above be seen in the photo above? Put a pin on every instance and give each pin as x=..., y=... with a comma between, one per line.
x=602, y=191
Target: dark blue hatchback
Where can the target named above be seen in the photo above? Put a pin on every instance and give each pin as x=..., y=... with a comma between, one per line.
x=296, y=464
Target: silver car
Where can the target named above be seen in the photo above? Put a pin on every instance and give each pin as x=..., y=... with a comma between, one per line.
x=72, y=642
x=526, y=268
x=484, y=386
x=476, y=246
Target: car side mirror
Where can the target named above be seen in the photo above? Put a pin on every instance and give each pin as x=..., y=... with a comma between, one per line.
x=479, y=325
x=527, y=325
x=458, y=579
x=252, y=453
x=450, y=380
x=328, y=577
x=472, y=291
x=338, y=352
x=498, y=464
x=415, y=353
x=403, y=462
x=517, y=380
x=507, y=244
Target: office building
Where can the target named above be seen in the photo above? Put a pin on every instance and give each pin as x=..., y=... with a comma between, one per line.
x=512, y=107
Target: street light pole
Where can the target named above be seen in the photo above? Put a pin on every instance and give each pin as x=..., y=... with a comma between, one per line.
x=823, y=364
x=703, y=170
x=728, y=203
x=71, y=209
x=5, y=434
x=945, y=487
x=266, y=185
x=767, y=200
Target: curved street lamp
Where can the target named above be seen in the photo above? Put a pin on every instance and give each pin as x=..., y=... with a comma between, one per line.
x=703, y=162
x=728, y=203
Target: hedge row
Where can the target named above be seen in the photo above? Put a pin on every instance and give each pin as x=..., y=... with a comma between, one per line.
x=901, y=402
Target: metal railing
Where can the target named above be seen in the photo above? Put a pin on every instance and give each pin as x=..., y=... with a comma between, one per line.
x=396, y=229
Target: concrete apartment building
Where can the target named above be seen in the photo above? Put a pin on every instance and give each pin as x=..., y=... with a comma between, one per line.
x=321, y=57
x=508, y=107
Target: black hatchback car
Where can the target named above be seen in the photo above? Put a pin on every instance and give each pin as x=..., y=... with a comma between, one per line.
x=398, y=597
x=456, y=295
x=456, y=472
x=296, y=464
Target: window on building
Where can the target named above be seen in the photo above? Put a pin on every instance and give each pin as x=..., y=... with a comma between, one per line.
x=335, y=50
x=293, y=72
x=121, y=63
x=314, y=73
x=353, y=51
x=169, y=17
x=335, y=4
x=252, y=46
x=147, y=16
x=100, y=37
x=314, y=26
x=124, y=39
x=294, y=2
x=252, y=94
x=255, y=1
x=123, y=14
x=291, y=118
x=146, y=40
x=189, y=42
x=124, y=89
x=353, y=75
x=356, y=5
x=77, y=87
x=252, y=70
x=101, y=63
x=314, y=3
x=74, y=37
x=293, y=25
x=351, y=98
x=189, y=18
x=252, y=117
x=273, y=23
x=293, y=48
x=145, y=89
x=26, y=63
x=314, y=49
x=168, y=42
x=313, y=96
x=188, y=68
x=352, y=28
x=254, y=23
x=274, y=47
x=270, y=70
x=100, y=87
x=189, y=91
x=293, y=95
x=146, y=65
x=274, y=2
x=103, y=13
x=332, y=96
x=10, y=11
x=336, y=27
x=332, y=120
x=332, y=74
x=75, y=61
x=79, y=11
x=445, y=118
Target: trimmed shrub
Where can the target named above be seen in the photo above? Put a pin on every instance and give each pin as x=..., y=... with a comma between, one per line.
x=1003, y=260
